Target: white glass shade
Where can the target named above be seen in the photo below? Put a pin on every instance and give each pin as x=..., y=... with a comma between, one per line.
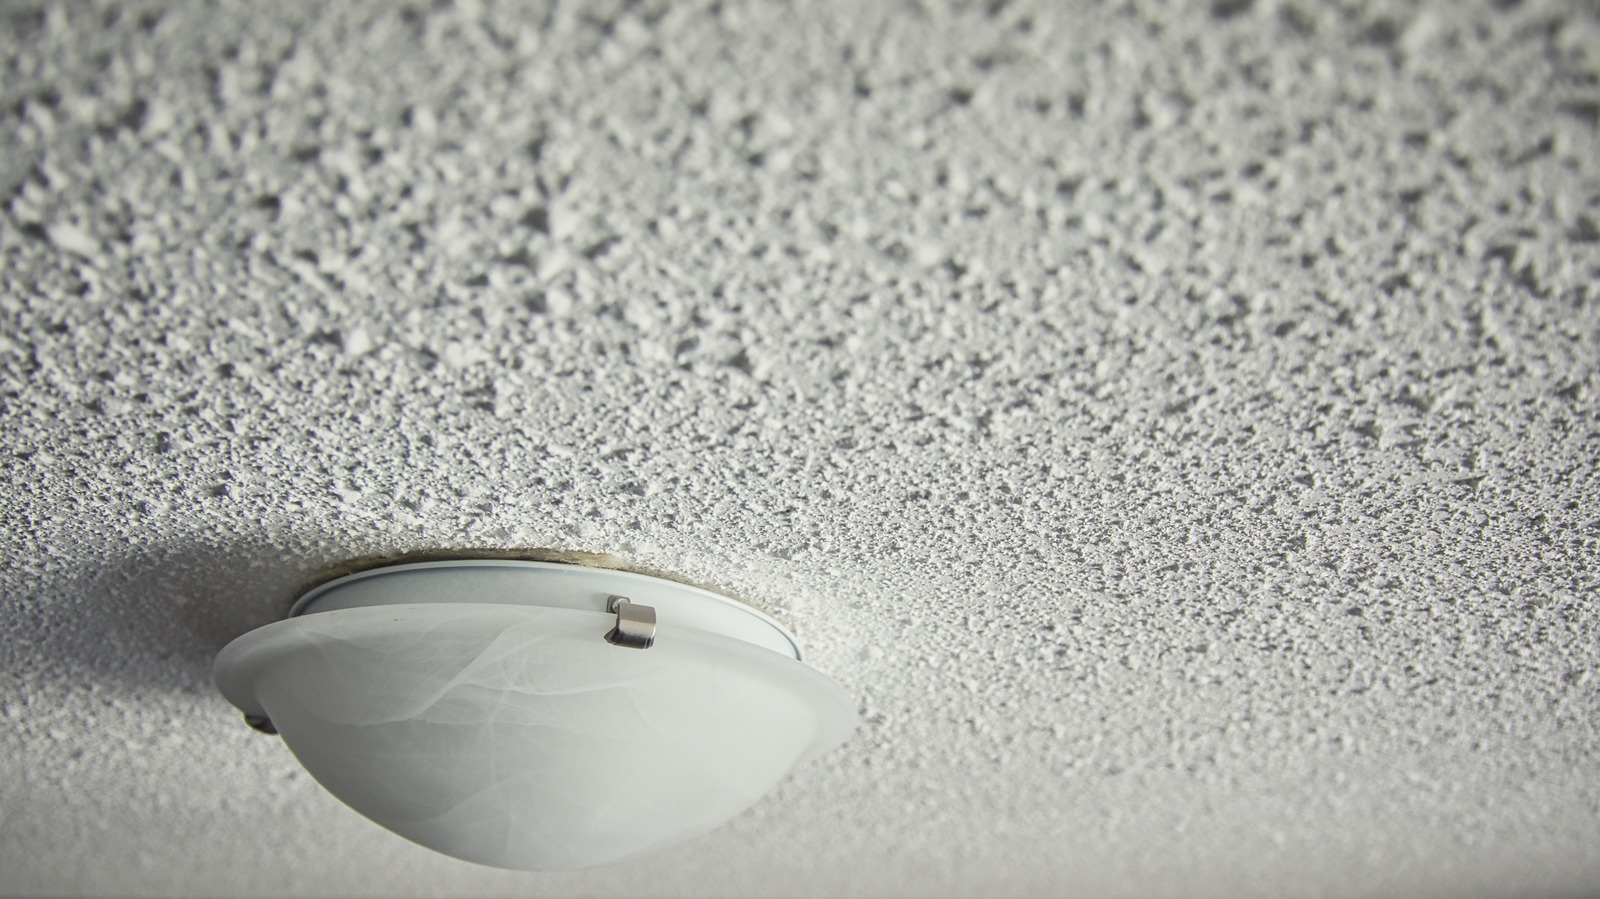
x=516, y=736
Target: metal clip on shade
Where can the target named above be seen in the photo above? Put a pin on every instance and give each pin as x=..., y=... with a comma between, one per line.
x=636, y=624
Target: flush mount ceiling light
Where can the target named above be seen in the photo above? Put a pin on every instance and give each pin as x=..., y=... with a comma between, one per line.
x=535, y=715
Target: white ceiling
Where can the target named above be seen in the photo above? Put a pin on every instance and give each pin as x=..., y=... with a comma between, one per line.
x=1176, y=424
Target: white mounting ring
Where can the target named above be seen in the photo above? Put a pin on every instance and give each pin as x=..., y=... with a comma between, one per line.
x=551, y=585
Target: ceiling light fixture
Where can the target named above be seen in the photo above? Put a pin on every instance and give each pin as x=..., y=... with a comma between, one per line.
x=535, y=715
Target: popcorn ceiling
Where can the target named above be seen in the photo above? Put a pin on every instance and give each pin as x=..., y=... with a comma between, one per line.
x=1175, y=423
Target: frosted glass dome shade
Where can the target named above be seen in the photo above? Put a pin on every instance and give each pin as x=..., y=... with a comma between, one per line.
x=515, y=735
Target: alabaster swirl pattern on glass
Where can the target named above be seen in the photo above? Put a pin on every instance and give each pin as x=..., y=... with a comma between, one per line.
x=517, y=737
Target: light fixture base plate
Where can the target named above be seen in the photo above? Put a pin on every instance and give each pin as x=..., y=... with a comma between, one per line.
x=550, y=585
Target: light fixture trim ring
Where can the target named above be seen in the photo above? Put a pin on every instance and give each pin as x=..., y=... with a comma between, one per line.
x=551, y=585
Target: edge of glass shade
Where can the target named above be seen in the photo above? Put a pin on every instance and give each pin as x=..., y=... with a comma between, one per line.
x=549, y=585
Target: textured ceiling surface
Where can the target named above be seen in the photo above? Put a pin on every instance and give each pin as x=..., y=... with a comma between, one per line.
x=1176, y=424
